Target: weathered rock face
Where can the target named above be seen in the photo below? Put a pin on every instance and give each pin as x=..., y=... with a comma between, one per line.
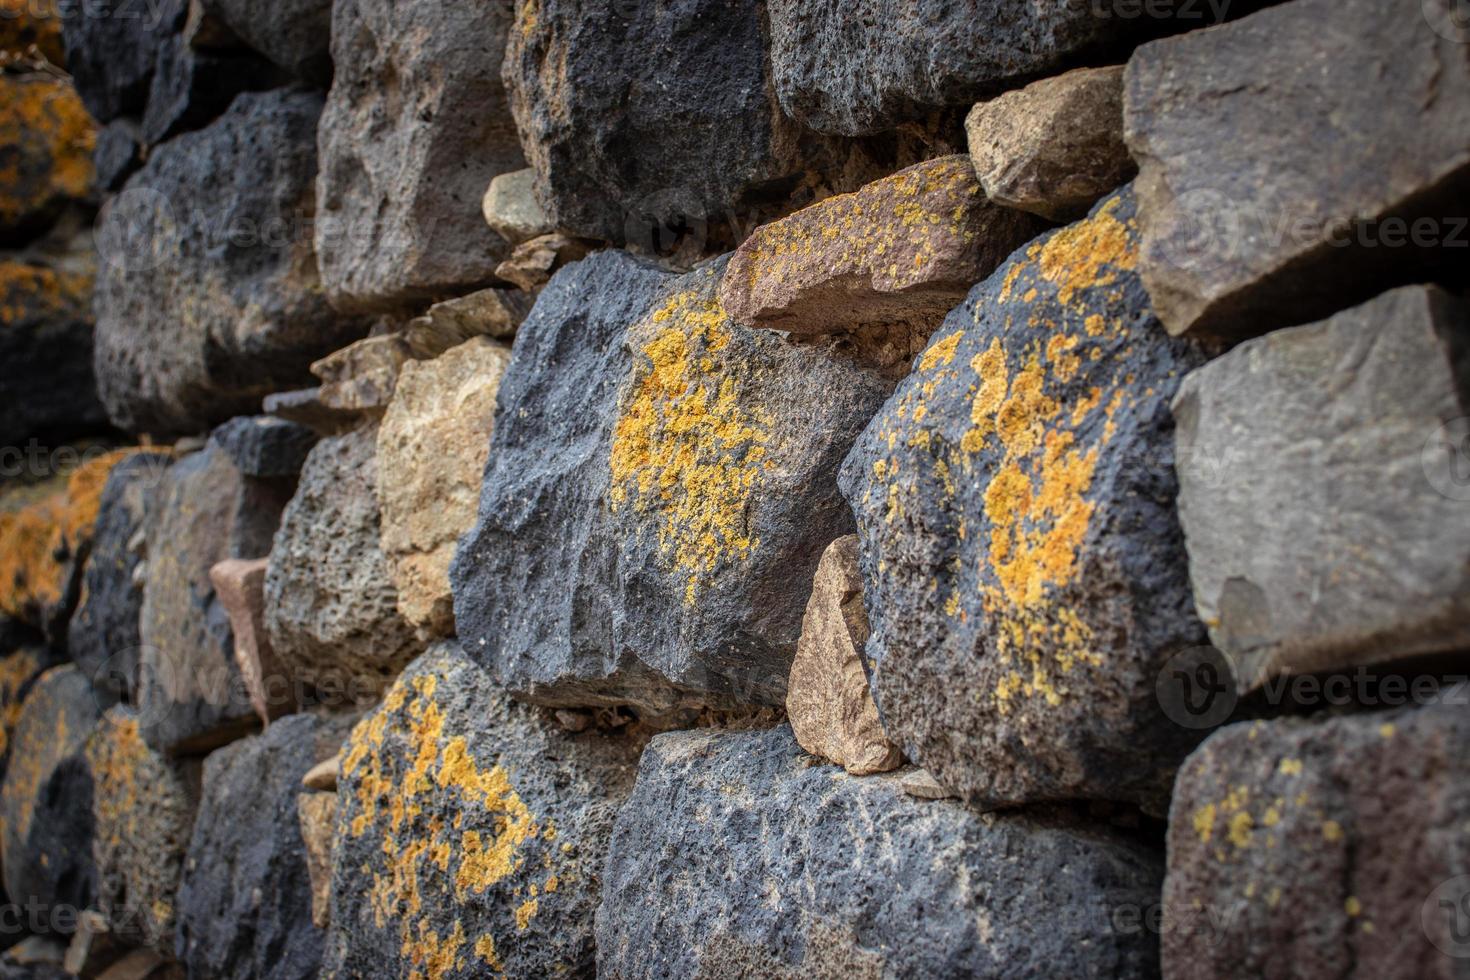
x=735, y=856
x=661, y=484
x=472, y=832
x=240, y=585
x=245, y=899
x=143, y=811
x=865, y=67
x=828, y=702
x=46, y=141
x=494, y=313
x=903, y=250
x=190, y=86
x=103, y=637
x=640, y=141
x=46, y=802
x=199, y=315
x=415, y=127
x=331, y=608
x=511, y=208
x=317, y=814
x=118, y=154
x=1323, y=531
x=432, y=448
x=266, y=447
x=1285, y=220
x=190, y=695
x=1055, y=147
x=111, y=49
x=1322, y=848
x=295, y=35
x=531, y=263
x=46, y=391
x=1025, y=571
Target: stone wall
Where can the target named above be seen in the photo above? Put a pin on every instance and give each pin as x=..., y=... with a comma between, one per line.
x=734, y=488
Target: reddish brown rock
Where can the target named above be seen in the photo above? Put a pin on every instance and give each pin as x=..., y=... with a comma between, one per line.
x=902, y=250
x=828, y=701
x=240, y=585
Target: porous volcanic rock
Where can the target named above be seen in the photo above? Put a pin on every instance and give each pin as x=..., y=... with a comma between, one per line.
x=1025, y=572
x=415, y=127
x=46, y=141
x=903, y=250
x=208, y=295
x=263, y=446
x=472, y=831
x=1321, y=493
x=661, y=485
x=1322, y=847
x=737, y=857
x=1259, y=212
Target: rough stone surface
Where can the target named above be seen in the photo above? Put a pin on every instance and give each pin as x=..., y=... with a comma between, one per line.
x=46, y=141
x=494, y=313
x=317, y=814
x=1321, y=849
x=118, y=154
x=903, y=250
x=1055, y=147
x=432, y=448
x=46, y=802
x=1025, y=571
x=240, y=855
x=1324, y=531
x=472, y=832
x=1262, y=212
x=46, y=390
x=190, y=87
x=511, y=208
x=111, y=49
x=190, y=694
x=263, y=446
x=295, y=35
x=415, y=127
x=20, y=668
x=735, y=856
x=240, y=586
x=360, y=378
x=143, y=811
x=660, y=487
x=331, y=608
x=532, y=263
x=103, y=637
x=197, y=318
x=866, y=66
x=828, y=702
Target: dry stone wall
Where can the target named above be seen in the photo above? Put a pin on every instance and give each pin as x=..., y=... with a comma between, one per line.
x=734, y=488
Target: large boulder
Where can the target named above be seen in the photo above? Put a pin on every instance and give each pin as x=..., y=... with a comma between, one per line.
x=208, y=296
x=432, y=448
x=415, y=127
x=46, y=141
x=46, y=802
x=662, y=481
x=1025, y=571
x=472, y=831
x=736, y=856
x=245, y=898
x=331, y=610
x=1277, y=186
x=1329, y=848
x=1320, y=489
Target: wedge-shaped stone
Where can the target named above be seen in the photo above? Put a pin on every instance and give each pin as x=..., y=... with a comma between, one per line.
x=240, y=585
x=1025, y=572
x=662, y=481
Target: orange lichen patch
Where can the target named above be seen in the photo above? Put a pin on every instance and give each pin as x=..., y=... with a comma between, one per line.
x=1088, y=254
x=35, y=293
x=686, y=450
x=485, y=950
x=30, y=30
x=432, y=957
x=940, y=353
x=46, y=143
x=38, y=752
x=16, y=670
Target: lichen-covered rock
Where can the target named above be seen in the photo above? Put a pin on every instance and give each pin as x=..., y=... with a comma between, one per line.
x=20, y=668
x=737, y=857
x=903, y=250
x=240, y=585
x=494, y=313
x=1322, y=849
x=1055, y=147
x=46, y=802
x=142, y=811
x=415, y=127
x=208, y=297
x=190, y=695
x=29, y=28
x=828, y=702
x=111, y=49
x=46, y=141
x=432, y=448
x=245, y=899
x=472, y=832
x=103, y=637
x=262, y=446
x=1025, y=571
x=1259, y=212
x=867, y=66
x=296, y=35
x=46, y=391
x=1321, y=535
x=331, y=608
x=661, y=485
